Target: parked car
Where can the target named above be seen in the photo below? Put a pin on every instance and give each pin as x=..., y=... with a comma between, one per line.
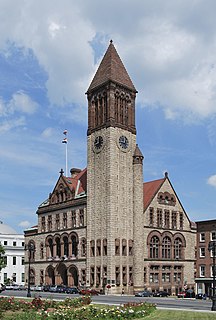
x=58, y=288
x=202, y=296
x=161, y=294
x=72, y=290
x=186, y=294
x=46, y=288
x=89, y=292
x=144, y=293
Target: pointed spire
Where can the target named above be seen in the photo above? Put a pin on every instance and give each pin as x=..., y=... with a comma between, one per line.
x=137, y=156
x=112, y=69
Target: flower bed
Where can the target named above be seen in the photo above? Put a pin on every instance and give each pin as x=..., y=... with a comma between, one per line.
x=71, y=309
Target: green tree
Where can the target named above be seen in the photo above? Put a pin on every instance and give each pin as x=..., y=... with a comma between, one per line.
x=2, y=258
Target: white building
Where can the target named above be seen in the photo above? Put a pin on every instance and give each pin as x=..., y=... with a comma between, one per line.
x=13, y=244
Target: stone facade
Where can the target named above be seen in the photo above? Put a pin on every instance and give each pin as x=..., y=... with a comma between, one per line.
x=95, y=228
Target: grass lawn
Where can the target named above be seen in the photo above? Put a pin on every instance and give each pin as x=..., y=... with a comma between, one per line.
x=180, y=315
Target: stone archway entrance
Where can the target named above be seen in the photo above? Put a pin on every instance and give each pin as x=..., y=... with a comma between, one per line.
x=61, y=272
x=50, y=276
x=73, y=277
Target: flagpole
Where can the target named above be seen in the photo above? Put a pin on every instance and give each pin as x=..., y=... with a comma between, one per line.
x=65, y=140
x=66, y=164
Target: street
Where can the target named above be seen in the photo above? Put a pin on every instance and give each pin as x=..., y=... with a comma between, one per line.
x=163, y=302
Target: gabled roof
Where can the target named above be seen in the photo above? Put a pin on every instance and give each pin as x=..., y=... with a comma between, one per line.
x=112, y=69
x=79, y=182
x=150, y=189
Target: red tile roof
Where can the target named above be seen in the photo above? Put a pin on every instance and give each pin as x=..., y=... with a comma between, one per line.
x=81, y=179
x=111, y=68
x=150, y=189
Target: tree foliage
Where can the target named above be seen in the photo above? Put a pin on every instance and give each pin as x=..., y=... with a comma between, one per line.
x=2, y=258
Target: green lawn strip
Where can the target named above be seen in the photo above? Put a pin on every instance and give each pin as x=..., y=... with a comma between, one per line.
x=180, y=315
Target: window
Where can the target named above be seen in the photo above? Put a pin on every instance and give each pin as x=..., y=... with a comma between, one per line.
x=49, y=223
x=14, y=277
x=5, y=243
x=202, y=236
x=213, y=235
x=23, y=260
x=153, y=277
x=159, y=218
x=41, y=251
x=165, y=277
x=23, y=277
x=83, y=276
x=92, y=248
x=92, y=269
x=166, y=219
x=98, y=252
x=177, y=248
x=117, y=247
x=124, y=275
x=83, y=247
x=57, y=221
x=65, y=220
x=117, y=275
x=174, y=220
x=14, y=261
x=23, y=243
x=81, y=217
x=212, y=271
x=14, y=244
x=73, y=218
x=124, y=247
x=5, y=259
x=43, y=224
x=41, y=276
x=5, y=277
x=98, y=275
x=105, y=247
x=151, y=217
x=166, y=248
x=74, y=245
x=130, y=247
x=181, y=220
x=202, y=252
x=202, y=271
x=154, y=247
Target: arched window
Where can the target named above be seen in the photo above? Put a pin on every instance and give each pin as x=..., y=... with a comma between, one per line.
x=166, y=248
x=154, y=247
x=74, y=245
x=41, y=251
x=92, y=248
x=83, y=247
x=50, y=245
x=65, y=241
x=177, y=248
x=32, y=277
x=58, y=247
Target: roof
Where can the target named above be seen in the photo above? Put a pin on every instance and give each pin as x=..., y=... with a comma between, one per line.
x=79, y=182
x=112, y=69
x=150, y=189
x=5, y=229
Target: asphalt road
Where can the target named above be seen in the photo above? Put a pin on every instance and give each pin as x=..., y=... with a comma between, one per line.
x=162, y=302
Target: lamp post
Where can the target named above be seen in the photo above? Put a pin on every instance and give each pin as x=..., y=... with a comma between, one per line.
x=212, y=247
x=31, y=249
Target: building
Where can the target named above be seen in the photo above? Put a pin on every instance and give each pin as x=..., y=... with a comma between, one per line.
x=13, y=244
x=98, y=226
x=206, y=232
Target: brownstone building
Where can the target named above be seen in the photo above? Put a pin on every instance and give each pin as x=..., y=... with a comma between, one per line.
x=206, y=232
x=102, y=226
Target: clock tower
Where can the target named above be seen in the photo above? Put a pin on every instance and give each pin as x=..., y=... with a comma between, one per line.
x=114, y=180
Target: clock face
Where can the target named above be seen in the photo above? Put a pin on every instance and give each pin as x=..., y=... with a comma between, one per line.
x=98, y=143
x=123, y=142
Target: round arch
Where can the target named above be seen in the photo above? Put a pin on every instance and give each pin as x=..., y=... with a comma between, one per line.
x=50, y=275
x=73, y=276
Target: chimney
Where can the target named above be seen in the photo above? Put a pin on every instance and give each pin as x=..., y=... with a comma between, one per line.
x=74, y=172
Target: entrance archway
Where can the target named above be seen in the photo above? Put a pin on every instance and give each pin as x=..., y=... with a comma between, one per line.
x=50, y=276
x=73, y=276
x=62, y=274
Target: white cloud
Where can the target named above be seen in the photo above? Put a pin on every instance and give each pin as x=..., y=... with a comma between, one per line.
x=212, y=181
x=24, y=224
x=10, y=124
x=23, y=103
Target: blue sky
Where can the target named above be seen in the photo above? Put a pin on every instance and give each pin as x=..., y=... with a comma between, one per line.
x=49, y=52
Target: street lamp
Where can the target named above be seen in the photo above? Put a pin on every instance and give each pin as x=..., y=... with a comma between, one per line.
x=31, y=249
x=212, y=247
